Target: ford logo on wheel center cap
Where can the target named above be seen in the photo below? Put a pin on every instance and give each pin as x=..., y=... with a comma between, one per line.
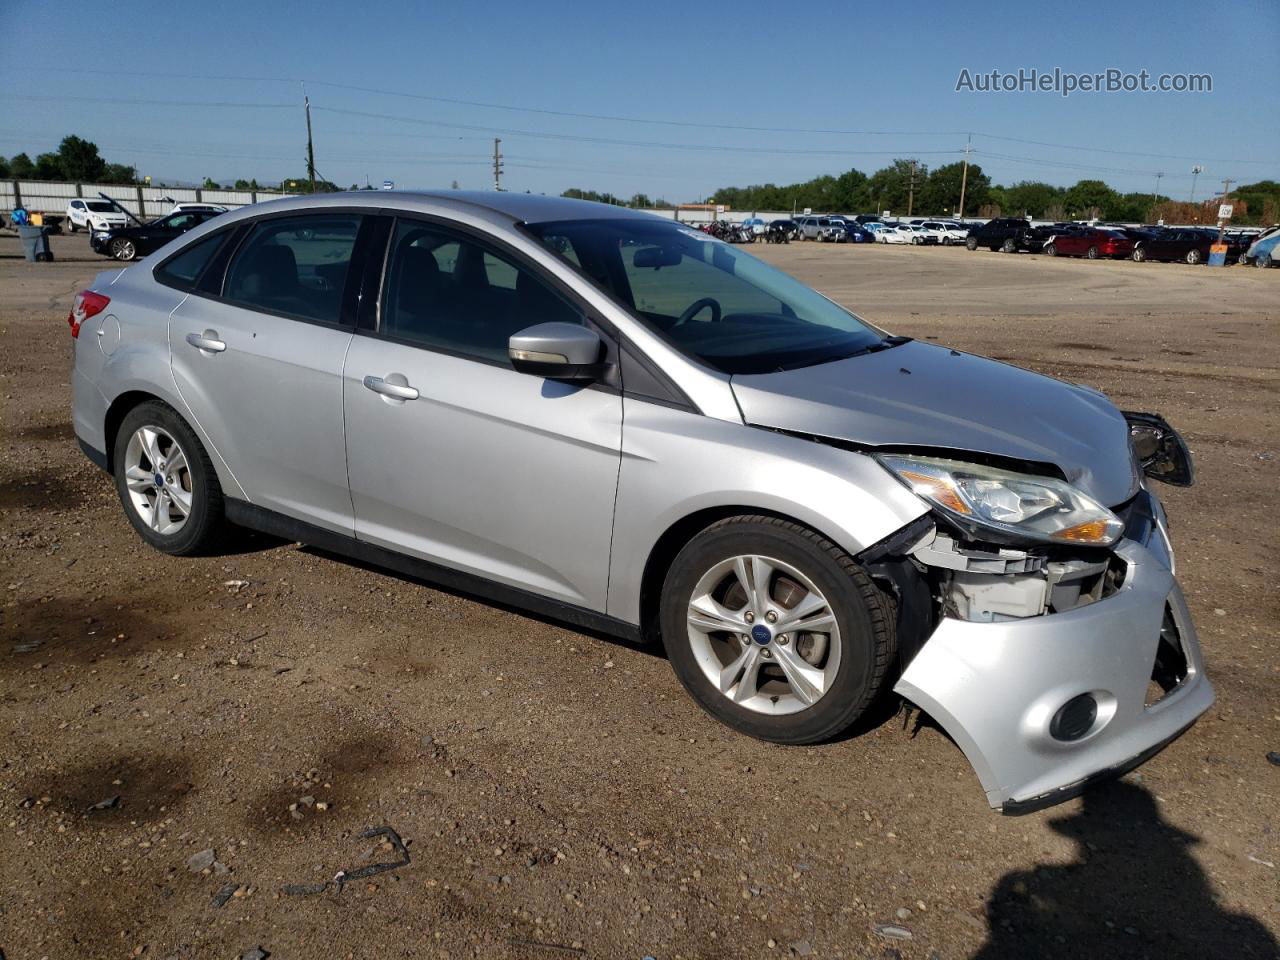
x=761, y=634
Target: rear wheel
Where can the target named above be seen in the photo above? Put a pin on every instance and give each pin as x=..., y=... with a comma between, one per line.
x=774, y=630
x=1050, y=250
x=71, y=225
x=123, y=249
x=1092, y=253
x=1009, y=246
x=166, y=482
x=1193, y=256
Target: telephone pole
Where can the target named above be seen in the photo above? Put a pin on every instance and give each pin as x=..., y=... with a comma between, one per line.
x=1195, y=172
x=1226, y=197
x=911, y=189
x=964, y=177
x=311, y=150
x=497, y=165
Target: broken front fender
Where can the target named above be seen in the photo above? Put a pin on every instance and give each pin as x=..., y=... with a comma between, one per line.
x=999, y=689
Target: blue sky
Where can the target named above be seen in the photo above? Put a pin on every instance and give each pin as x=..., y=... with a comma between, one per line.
x=223, y=98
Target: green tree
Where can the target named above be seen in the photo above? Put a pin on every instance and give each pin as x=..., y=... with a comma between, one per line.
x=640, y=200
x=1089, y=199
x=888, y=187
x=48, y=167
x=1030, y=198
x=4, y=168
x=119, y=173
x=79, y=160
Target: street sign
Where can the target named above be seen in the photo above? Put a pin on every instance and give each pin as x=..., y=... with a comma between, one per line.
x=719, y=208
x=808, y=210
x=388, y=185
x=1224, y=212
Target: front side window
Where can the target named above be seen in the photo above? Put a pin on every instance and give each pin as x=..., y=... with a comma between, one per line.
x=453, y=294
x=710, y=300
x=295, y=265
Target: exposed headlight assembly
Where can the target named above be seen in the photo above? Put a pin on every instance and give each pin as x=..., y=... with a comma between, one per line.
x=1159, y=450
x=1015, y=506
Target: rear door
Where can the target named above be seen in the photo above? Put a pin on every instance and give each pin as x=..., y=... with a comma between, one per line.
x=454, y=456
x=257, y=357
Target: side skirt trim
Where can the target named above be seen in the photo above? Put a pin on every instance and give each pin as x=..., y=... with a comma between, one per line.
x=277, y=524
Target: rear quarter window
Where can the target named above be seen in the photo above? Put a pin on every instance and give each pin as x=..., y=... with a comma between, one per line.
x=184, y=268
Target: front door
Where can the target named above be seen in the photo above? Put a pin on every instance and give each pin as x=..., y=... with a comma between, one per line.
x=455, y=457
x=260, y=366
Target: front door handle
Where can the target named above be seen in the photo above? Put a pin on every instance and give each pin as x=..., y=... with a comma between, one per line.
x=400, y=391
x=207, y=341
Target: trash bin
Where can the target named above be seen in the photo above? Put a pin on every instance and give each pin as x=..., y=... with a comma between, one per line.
x=35, y=243
x=1218, y=255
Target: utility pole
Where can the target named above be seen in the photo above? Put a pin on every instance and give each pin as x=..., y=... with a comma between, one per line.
x=964, y=177
x=1226, y=196
x=1195, y=172
x=1155, y=197
x=911, y=189
x=497, y=165
x=311, y=150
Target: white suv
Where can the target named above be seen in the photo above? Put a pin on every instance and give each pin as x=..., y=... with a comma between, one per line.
x=96, y=215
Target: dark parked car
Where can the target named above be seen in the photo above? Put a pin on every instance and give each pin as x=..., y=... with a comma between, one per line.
x=129, y=243
x=1177, y=243
x=1010, y=234
x=857, y=233
x=1090, y=242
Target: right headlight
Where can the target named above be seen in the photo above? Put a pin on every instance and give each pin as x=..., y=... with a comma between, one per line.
x=1015, y=506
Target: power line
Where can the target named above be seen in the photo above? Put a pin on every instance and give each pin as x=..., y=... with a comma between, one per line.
x=618, y=118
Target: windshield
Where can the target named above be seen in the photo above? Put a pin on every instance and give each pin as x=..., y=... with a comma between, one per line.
x=708, y=299
x=100, y=206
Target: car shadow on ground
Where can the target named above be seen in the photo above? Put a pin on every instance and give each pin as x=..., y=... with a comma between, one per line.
x=1134, y=890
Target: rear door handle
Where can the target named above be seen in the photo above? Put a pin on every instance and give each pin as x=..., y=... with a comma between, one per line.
x=207, y=341
x=400, y=391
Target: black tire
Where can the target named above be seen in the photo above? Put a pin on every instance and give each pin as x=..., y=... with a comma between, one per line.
x=1139, y=254
x=1009, y=246
x=1193, y=256
x=123, y=249
x=1050, y=250
x=865, y=616
x=971, y=243
x=71, y=226
x=205, y=523
x=1263, y=261
x=1091, y=253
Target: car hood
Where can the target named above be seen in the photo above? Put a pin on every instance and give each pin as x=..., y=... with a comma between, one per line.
x=924, y=396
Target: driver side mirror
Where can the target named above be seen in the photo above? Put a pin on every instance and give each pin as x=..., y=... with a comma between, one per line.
x=557, y=351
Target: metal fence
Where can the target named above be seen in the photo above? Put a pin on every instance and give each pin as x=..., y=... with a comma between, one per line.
x=48, y=196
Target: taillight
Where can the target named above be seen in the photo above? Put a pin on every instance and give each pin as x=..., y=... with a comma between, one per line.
x=87, y=304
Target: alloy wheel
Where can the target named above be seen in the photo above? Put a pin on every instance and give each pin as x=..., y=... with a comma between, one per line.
x=764, y=635
x=158, y=478
x=123, y=249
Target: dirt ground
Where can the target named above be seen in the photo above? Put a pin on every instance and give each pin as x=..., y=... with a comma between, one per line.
x=559, y=795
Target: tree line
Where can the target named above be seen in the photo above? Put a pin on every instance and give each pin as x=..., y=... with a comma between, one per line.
x=907, y=183
x=75, y=159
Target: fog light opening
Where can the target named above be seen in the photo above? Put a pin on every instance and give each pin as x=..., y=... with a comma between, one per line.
x=1074, y=719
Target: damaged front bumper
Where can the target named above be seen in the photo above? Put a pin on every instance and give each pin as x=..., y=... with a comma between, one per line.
x=1001, y=689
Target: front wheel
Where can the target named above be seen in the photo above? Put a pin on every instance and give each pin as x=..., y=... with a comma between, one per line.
x=971, y=243
x=776, y=631
x=1263, y=261
x=122, y=249
x=1193, y=257
x=166, y=482
x=1050, y=250
x=1009, y=246
x=1092, y=253
x=1139, y=254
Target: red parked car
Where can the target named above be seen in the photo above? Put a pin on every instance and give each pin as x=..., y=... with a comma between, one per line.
x=1092, y=243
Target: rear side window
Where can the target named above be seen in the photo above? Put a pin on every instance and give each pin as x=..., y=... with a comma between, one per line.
x=295, y=265
x=183, y=269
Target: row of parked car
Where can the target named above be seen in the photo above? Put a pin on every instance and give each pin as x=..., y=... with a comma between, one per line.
x=116, y=233
x=1186, y=244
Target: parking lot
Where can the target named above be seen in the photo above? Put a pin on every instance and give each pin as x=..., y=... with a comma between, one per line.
x=559, y=794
